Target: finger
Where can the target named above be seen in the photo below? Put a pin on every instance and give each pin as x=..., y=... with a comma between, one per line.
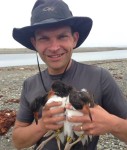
x=87, y=128
x=80, y=119
x=53, y=126
x=56, y=111
x=54, y=120
x=78, y=128
x=52, y=112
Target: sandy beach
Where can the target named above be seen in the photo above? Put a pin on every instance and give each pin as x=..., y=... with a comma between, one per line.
x=11, y=80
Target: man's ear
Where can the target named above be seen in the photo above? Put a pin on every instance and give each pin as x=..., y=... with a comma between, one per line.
x=76, y=37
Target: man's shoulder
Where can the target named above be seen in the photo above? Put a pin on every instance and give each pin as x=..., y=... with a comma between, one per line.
x=92, y=70
x=89, y=67
x=36, y=78
x=32, y=78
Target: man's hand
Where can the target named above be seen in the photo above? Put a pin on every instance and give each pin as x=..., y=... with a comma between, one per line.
x=52, y=116
x=99, y=125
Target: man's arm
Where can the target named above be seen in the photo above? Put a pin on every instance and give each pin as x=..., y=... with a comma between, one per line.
x=119, y=128
x=26, y=135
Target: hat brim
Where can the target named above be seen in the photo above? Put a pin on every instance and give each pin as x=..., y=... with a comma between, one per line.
x=82, y=25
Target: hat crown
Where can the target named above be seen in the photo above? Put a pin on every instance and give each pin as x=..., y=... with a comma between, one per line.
x=45, y=10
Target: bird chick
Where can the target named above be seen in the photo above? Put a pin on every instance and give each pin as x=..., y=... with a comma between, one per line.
x=58, y=89
x=36, y=104
x=80, y=99
x=77, y=100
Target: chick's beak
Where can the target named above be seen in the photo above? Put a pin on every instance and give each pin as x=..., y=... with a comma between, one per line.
x=36, y=117
x=50, y=94
x=87, y=108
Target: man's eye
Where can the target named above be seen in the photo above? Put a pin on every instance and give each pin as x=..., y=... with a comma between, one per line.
x=63, y=36
x=43, y=38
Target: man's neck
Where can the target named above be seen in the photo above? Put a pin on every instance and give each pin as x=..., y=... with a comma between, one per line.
x=60, y=71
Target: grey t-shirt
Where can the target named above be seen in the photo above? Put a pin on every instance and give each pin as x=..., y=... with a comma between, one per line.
x=96, y=80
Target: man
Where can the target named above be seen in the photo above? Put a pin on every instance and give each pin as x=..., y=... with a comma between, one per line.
x=54, y=33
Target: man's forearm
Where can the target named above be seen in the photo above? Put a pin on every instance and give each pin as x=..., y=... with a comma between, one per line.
x=119, y=128
x=24, y=137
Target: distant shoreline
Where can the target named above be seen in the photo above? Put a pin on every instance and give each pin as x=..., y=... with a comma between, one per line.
x=82, y=49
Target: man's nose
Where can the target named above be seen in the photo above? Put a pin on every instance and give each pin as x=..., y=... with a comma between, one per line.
x=54, y=45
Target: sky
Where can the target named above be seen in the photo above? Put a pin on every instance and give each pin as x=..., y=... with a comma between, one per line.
x=109, y=20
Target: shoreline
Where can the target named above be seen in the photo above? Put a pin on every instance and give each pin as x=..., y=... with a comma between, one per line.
x=81, y=49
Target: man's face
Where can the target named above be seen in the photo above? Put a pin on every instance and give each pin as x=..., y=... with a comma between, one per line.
x=55, y=47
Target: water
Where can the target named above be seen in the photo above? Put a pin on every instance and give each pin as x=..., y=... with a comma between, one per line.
x=7, y=60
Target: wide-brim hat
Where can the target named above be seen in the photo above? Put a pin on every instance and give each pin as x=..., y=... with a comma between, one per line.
x=48, y=13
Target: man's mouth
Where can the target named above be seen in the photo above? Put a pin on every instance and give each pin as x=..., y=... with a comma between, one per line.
x=56, y=55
